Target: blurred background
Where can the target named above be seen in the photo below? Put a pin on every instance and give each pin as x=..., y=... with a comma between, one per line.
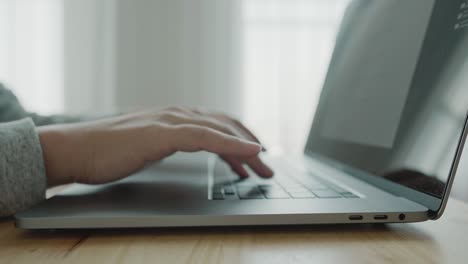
x=262, y=61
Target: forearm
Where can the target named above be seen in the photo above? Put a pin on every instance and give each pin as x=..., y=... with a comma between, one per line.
x=110, y=149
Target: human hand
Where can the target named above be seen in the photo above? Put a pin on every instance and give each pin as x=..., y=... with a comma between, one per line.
x=110, y=149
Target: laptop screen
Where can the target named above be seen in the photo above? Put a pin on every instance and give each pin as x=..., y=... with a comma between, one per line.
x=395, y=99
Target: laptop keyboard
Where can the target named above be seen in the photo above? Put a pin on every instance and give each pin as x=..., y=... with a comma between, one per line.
x=279, y=187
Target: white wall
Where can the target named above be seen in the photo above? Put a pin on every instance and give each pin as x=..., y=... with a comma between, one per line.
x=181, y=52
x=89, y=40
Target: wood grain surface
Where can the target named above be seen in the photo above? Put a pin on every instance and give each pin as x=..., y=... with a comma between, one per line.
x=442, y=241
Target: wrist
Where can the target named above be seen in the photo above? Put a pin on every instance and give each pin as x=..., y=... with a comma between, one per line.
x=56, y=152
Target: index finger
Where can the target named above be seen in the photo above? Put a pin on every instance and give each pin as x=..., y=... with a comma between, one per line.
x=191, y=138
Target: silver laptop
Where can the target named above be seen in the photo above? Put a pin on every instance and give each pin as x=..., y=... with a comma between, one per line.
x=384, y=144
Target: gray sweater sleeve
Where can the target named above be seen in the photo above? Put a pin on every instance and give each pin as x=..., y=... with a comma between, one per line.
x=23, y=179
x=22, y=174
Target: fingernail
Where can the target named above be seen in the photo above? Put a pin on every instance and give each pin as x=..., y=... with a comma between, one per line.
x=260, y=147
x=253, y=146
x=269, y=172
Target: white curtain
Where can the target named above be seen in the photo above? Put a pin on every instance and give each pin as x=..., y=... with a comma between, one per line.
x=89, y=40
x=31, y=52
x=58, y=55
x=260, y=60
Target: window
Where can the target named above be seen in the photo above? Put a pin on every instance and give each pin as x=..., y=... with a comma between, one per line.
x=30, y=52
x=287, y=45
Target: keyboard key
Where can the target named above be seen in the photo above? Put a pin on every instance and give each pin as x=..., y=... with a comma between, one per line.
x=266, y=182
x=313, y=184
x=350, y=195
x=228, y=190
x=271, y=185
x=326, y=194
x=246, y=183
x=276, y=195
x=297, y=187
x=251, y=196
x=217, y=188
x=288, y=183
x=338, y=188
x=316, y=186
x=218, y=196
x=231, y=197
x=313, y=174
x=297, y=190
x=302, y=195
x=312, y=181
x=249, y=193
x=270, y=189
x=309, y=180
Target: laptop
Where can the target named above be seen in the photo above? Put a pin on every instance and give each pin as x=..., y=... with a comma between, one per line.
x=384, y=144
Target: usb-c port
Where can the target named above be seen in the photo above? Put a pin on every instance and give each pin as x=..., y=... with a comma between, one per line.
x=355, y=217
x=381, y=217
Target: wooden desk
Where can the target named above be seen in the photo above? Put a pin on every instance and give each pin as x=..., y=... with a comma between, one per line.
x=443, y=241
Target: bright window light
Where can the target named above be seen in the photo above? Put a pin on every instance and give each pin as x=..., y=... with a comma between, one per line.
x=286, y=50
x=31, y=52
